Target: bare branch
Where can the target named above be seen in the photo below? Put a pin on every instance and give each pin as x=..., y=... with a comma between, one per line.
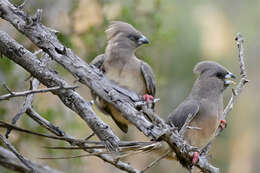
x=51, y=79
x=89, y=136
x=186, y=124
x=22, y=5
x=10, y=161
x=235, y=92
x=19, y=156
x=82, y=144
x=26, y=93
x=156, y=161
x=44, y=123
x=26, y=105
x=8, y=89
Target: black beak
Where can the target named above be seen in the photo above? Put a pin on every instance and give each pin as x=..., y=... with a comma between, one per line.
x=143, y=40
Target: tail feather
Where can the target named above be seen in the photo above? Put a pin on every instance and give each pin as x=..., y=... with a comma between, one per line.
x=126, y=149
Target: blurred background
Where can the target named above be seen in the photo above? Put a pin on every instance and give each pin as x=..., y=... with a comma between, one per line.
x=182, y=33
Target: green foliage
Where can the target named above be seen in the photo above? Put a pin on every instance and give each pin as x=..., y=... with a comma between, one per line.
x=3, y=111
x=65, y=39
x=6, y=65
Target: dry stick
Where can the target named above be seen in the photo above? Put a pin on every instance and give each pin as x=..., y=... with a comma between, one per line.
x=90, y=76
x=19, y=156
x=26, y=105
x=34, y=83
x=10, y=161
x=186, y=124
x=13, y=127
x=44, y=123
x=156, y=161
x=79, y=142
x=49, y=78
x=90, y=136
x=28, y=92
x=235, y=92
x=8, y=89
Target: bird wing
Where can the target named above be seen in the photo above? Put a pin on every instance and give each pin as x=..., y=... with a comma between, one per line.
x=149, y=78
x=98, y=61
x=100, y=103
x=180, y=114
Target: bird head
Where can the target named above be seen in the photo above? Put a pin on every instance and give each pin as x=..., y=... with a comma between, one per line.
x=214, y=74
x=125, y=35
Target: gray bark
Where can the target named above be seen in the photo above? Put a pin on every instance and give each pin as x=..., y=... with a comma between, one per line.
x=10, y=161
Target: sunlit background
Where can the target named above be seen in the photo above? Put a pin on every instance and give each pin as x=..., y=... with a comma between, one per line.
x=182, y=33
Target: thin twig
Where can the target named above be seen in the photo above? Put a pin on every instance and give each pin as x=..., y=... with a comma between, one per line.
x=156, y=161
x=8, y=89
x=235, y=92
x=142, y=103
x=22, y=5
x=79, y=142
x=193, y=128
x=19, y=156
x=27, y=104
x=44, y=123
x=25, y=93
x=186, y=124
x=89, y=136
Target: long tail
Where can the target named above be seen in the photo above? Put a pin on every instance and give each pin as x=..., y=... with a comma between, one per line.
x=126, y=148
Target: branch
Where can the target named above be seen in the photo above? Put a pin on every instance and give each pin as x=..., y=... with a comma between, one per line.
x=156, y=161
x=235, y=92
x=28, y=92
x=82, y=144
x=10, y=161
x=19, y=156
x=50, y=79
x=90, y=76
x=44, y=123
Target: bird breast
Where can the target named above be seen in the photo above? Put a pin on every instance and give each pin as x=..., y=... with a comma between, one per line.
x=127, y=75
x=207, y=120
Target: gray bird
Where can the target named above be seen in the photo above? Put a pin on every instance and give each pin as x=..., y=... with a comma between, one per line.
x=204, y=103
x=120, y=65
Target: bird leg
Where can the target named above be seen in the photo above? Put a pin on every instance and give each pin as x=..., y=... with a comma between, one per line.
x=195, y=157
x=223, y=124
x=148, y=97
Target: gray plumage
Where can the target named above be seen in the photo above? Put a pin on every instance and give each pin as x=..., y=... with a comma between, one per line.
x=204, y=103
x=121, y=66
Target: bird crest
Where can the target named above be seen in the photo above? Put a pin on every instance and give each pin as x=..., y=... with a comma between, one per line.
x=203, y=66
x=117, y=27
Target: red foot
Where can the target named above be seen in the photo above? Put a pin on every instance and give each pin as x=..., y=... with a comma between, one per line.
x=195, y=157
x=223, y=124
x=147, y=97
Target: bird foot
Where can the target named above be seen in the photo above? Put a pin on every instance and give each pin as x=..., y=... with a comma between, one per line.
x=148, y=97
x=223, y=124
x=195, y=157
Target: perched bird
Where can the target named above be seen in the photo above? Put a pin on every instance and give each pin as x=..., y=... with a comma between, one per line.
x=120, y=65
x=204, y=103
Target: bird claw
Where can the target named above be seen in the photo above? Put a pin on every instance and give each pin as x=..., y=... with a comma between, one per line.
x=195, y=157
x=148, y=97
x=223, y=124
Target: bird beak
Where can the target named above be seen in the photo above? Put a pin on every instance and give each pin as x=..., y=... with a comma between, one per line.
x=228, y=77
x=143, y=40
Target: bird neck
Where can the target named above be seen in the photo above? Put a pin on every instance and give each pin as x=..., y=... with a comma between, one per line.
x=119, y=50
x=206, y=89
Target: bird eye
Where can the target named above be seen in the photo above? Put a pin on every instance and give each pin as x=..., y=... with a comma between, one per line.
x=133, y=37
x=220, y=75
